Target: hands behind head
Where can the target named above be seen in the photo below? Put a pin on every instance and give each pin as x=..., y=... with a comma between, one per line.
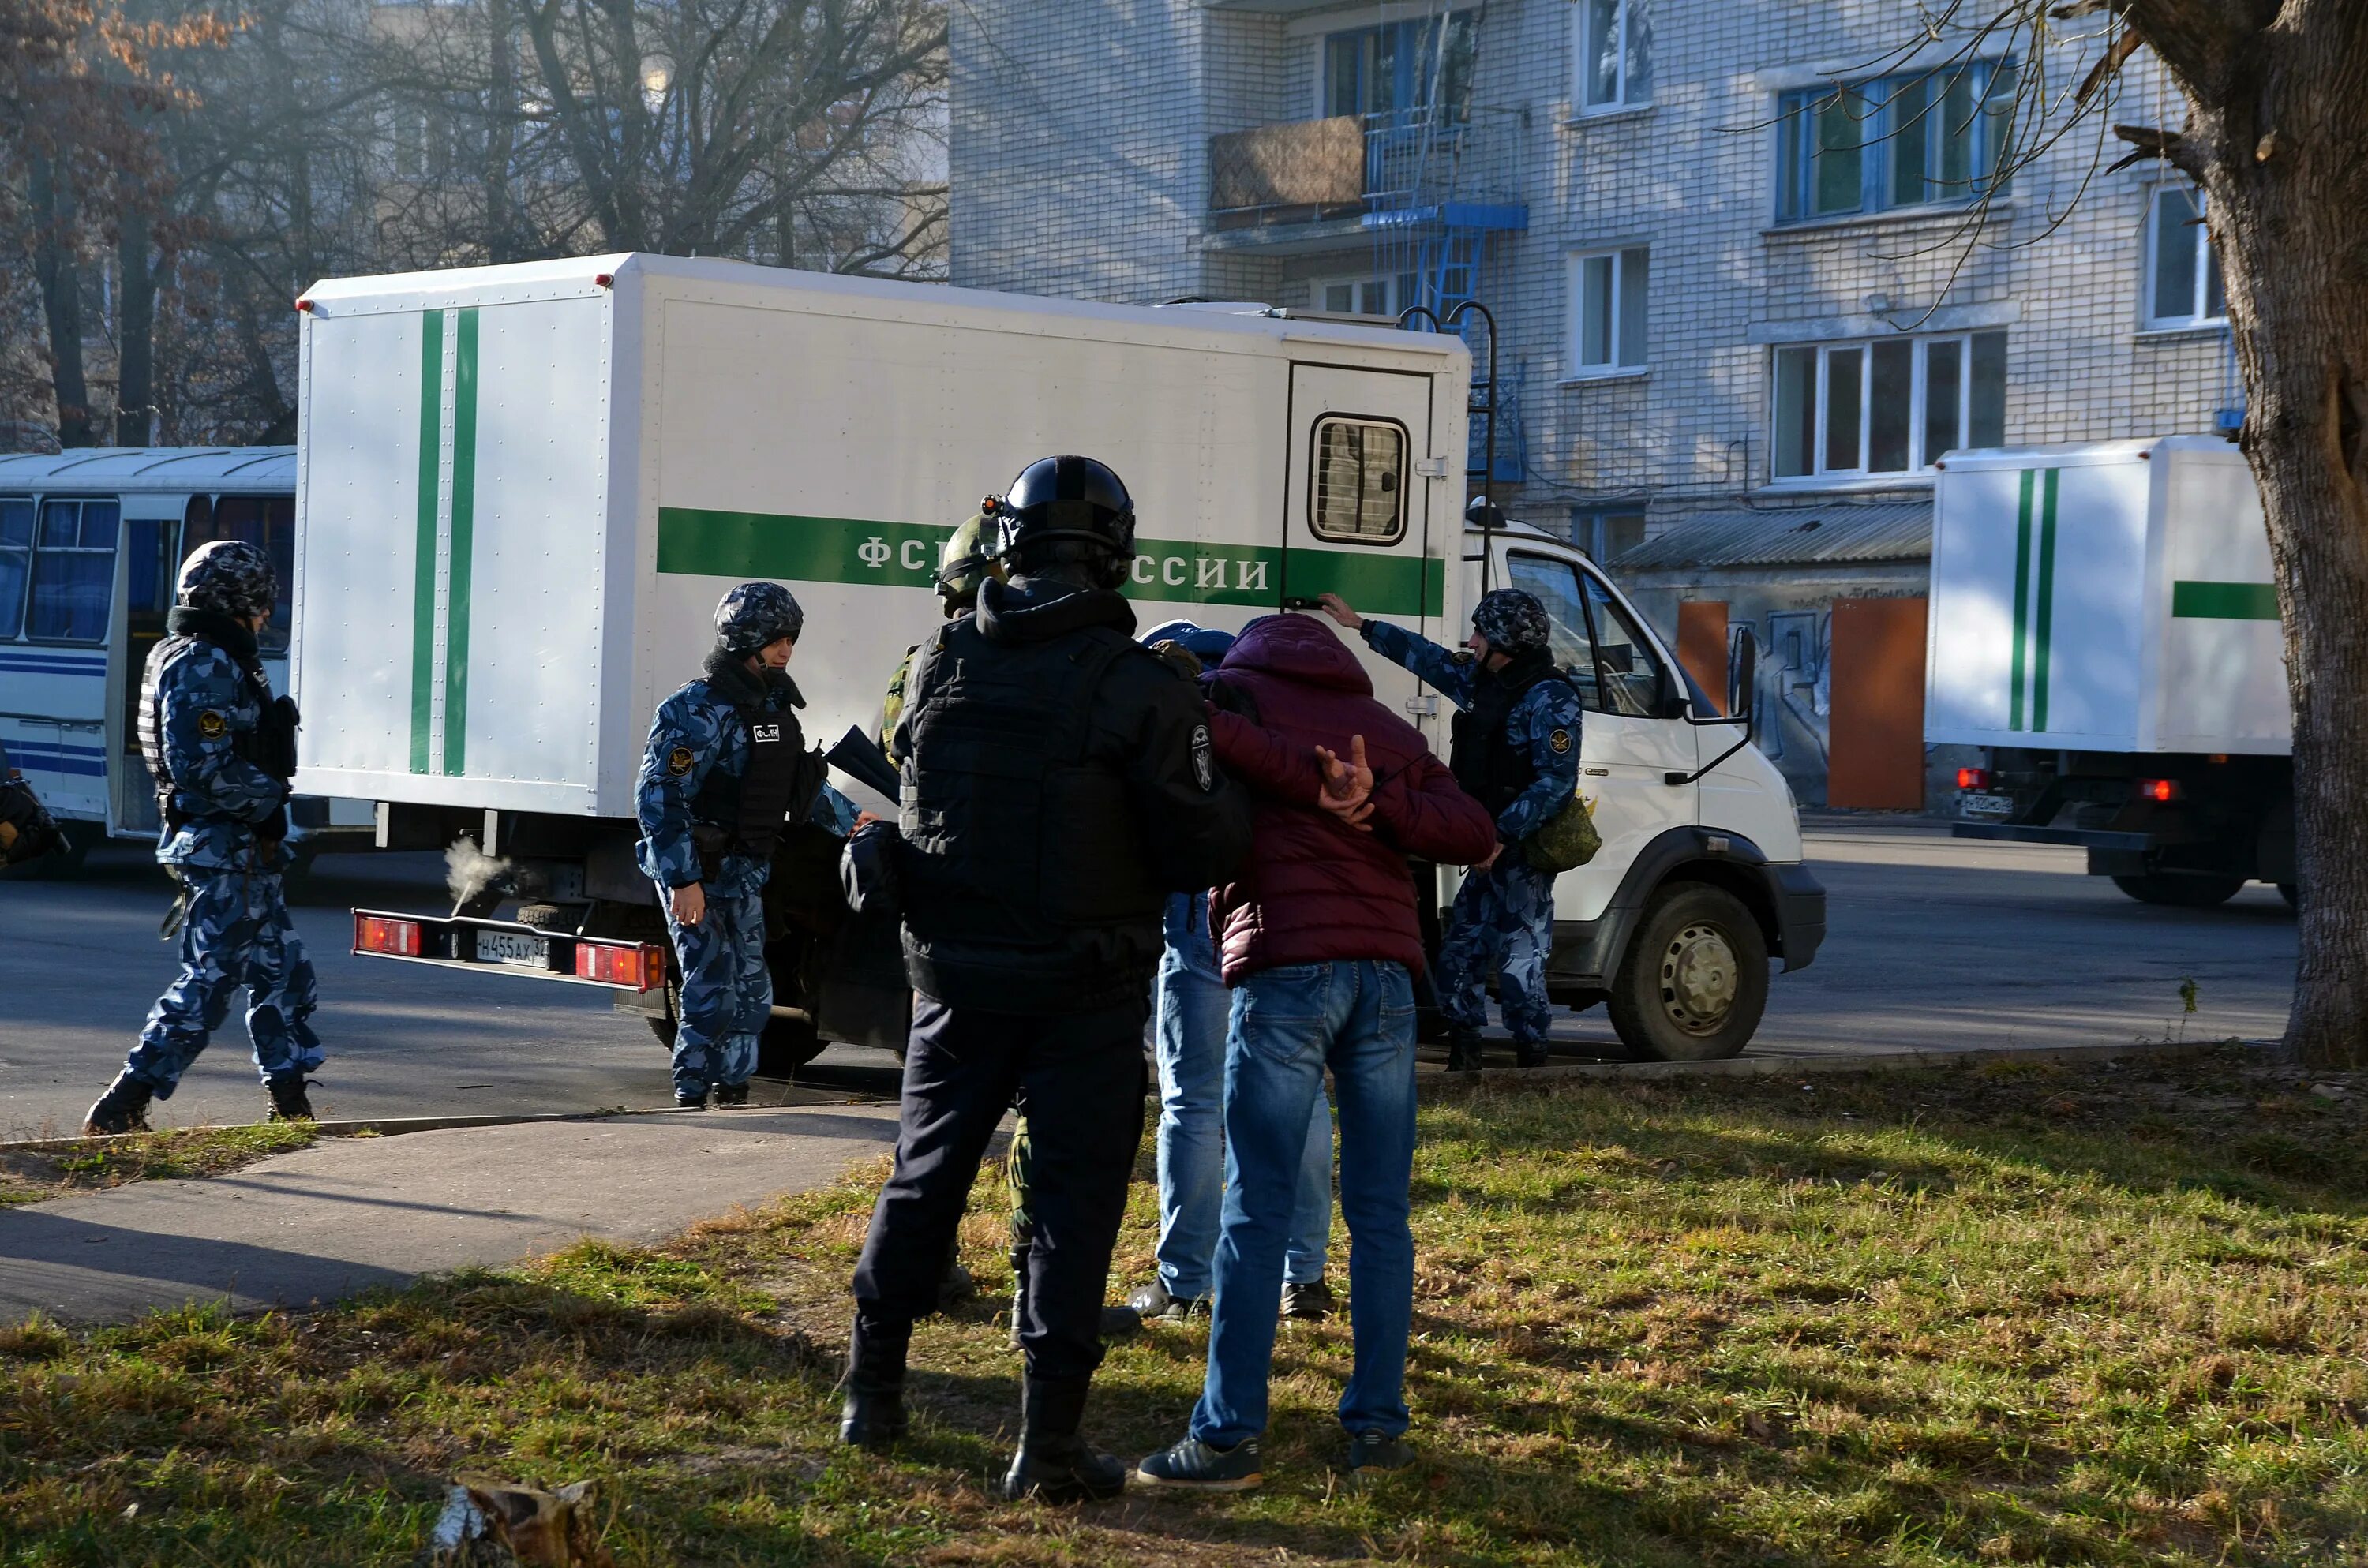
x=1348, y=786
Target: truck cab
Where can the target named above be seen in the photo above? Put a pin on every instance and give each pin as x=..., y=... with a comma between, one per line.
x=1699, y=882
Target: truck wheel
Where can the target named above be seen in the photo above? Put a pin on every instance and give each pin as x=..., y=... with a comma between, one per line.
x=787, y=1045
x=1694, y=979
x=565, y=918
x=2176, y=892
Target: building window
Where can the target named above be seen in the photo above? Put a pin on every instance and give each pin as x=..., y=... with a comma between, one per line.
x=1392, y=73
x=16, y=562
x=1615, y=54
x=74, y=570
x=1606, y=311
x=1848, y=410
x=1604, y=534
x=1939, y=136
x=2182, y=277
x=1358, y=493
x=1365, y=296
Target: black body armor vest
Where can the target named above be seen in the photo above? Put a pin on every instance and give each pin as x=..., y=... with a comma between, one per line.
x=1025, y=872
x=1480, y=753
x=753, y=807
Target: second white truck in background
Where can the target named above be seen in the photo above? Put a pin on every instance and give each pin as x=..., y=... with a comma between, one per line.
x=2104, y=628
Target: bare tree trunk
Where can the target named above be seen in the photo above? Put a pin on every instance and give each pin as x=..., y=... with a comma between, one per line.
x=135, y=318
x=2277, y=134
x=60, y=279
x=501, y=138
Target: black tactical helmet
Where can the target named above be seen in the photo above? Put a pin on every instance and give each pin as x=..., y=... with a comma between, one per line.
x=1066, y=499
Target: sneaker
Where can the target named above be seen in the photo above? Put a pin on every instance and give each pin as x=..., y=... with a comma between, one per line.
x=1153, y=1304
x=1373, y=1454
x=731, y=1094
x=1311, y=1302
x=691, y=1102
x=1194, y=1466
x=283, y=1094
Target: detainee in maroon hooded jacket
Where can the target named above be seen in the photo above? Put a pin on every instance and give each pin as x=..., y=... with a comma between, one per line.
x=1319, y=940
x=1314, y=889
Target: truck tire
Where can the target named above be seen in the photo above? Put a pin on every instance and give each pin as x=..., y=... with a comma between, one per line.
x=1694, y=980
x=2176, y=892
x=568, y=918
x=787, y=1045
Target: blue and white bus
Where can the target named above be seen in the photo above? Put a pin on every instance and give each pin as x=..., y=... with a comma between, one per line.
x=90, y=542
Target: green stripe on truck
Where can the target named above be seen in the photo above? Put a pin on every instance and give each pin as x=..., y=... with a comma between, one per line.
x=2021, y=601
x=2046, y=610
x=423, y=590
x=705, y=543
x=2225, y=601
x=464, y=512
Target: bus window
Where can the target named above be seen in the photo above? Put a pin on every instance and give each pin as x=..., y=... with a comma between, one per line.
x=74, y=570
x=265, y=520
x=16, y=562
x=149, y=554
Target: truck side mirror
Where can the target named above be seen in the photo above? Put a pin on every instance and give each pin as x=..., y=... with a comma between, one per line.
x=1742, y=673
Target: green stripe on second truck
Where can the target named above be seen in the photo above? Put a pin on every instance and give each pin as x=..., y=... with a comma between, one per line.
x=2224, y=601
x=904, y=555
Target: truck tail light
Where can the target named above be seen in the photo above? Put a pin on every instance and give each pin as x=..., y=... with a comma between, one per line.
x=1972, y=779
x=377, y=934
x=2161, y=789
x=636, y=964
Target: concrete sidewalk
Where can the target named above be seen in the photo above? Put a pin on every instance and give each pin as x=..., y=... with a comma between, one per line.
x=350, y=1213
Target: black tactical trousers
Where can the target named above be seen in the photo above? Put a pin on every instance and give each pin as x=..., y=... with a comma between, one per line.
x=1081, y=1078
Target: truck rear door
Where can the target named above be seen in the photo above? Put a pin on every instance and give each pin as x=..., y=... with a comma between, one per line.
x=1358, y=507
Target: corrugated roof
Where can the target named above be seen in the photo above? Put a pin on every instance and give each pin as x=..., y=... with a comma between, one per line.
x=150, y=467
x=1793, y=535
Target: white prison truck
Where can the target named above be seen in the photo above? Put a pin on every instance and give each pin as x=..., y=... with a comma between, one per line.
x=91, y=540
x=2104, y=628
x=523, y=489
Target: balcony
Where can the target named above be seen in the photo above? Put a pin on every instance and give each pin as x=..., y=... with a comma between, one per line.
x=1311, y=184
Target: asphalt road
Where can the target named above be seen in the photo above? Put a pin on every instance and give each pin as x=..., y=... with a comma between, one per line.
x=1934, y=944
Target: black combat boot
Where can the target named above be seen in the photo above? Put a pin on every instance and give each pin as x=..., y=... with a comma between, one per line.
x=124, y=1109
x=1531, y=1053
x=874, y=1416
x=731, y=1095
x=284, y=1100
x=1054, y=1464
x=1464, y=1050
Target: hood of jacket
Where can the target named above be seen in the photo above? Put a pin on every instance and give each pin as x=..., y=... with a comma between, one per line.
x=1298, y=648
x=1039, y=609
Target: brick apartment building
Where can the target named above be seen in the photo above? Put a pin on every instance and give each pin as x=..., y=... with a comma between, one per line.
x=1751, y=263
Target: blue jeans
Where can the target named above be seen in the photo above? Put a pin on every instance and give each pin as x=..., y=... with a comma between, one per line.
x=1194, y=1171
x=1289, y=1023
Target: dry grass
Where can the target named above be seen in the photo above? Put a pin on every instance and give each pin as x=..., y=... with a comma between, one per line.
x=2056, y=1316
x=190, y=1151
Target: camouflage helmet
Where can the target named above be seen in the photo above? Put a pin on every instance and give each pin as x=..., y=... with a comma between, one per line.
x=965, y=563
x=756, y=614
x=1513, y=621
x=228, y=575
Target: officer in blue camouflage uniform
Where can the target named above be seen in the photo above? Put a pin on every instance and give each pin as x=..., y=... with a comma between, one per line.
x=222, y=749
x=726, y=766
x=1514, y=750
